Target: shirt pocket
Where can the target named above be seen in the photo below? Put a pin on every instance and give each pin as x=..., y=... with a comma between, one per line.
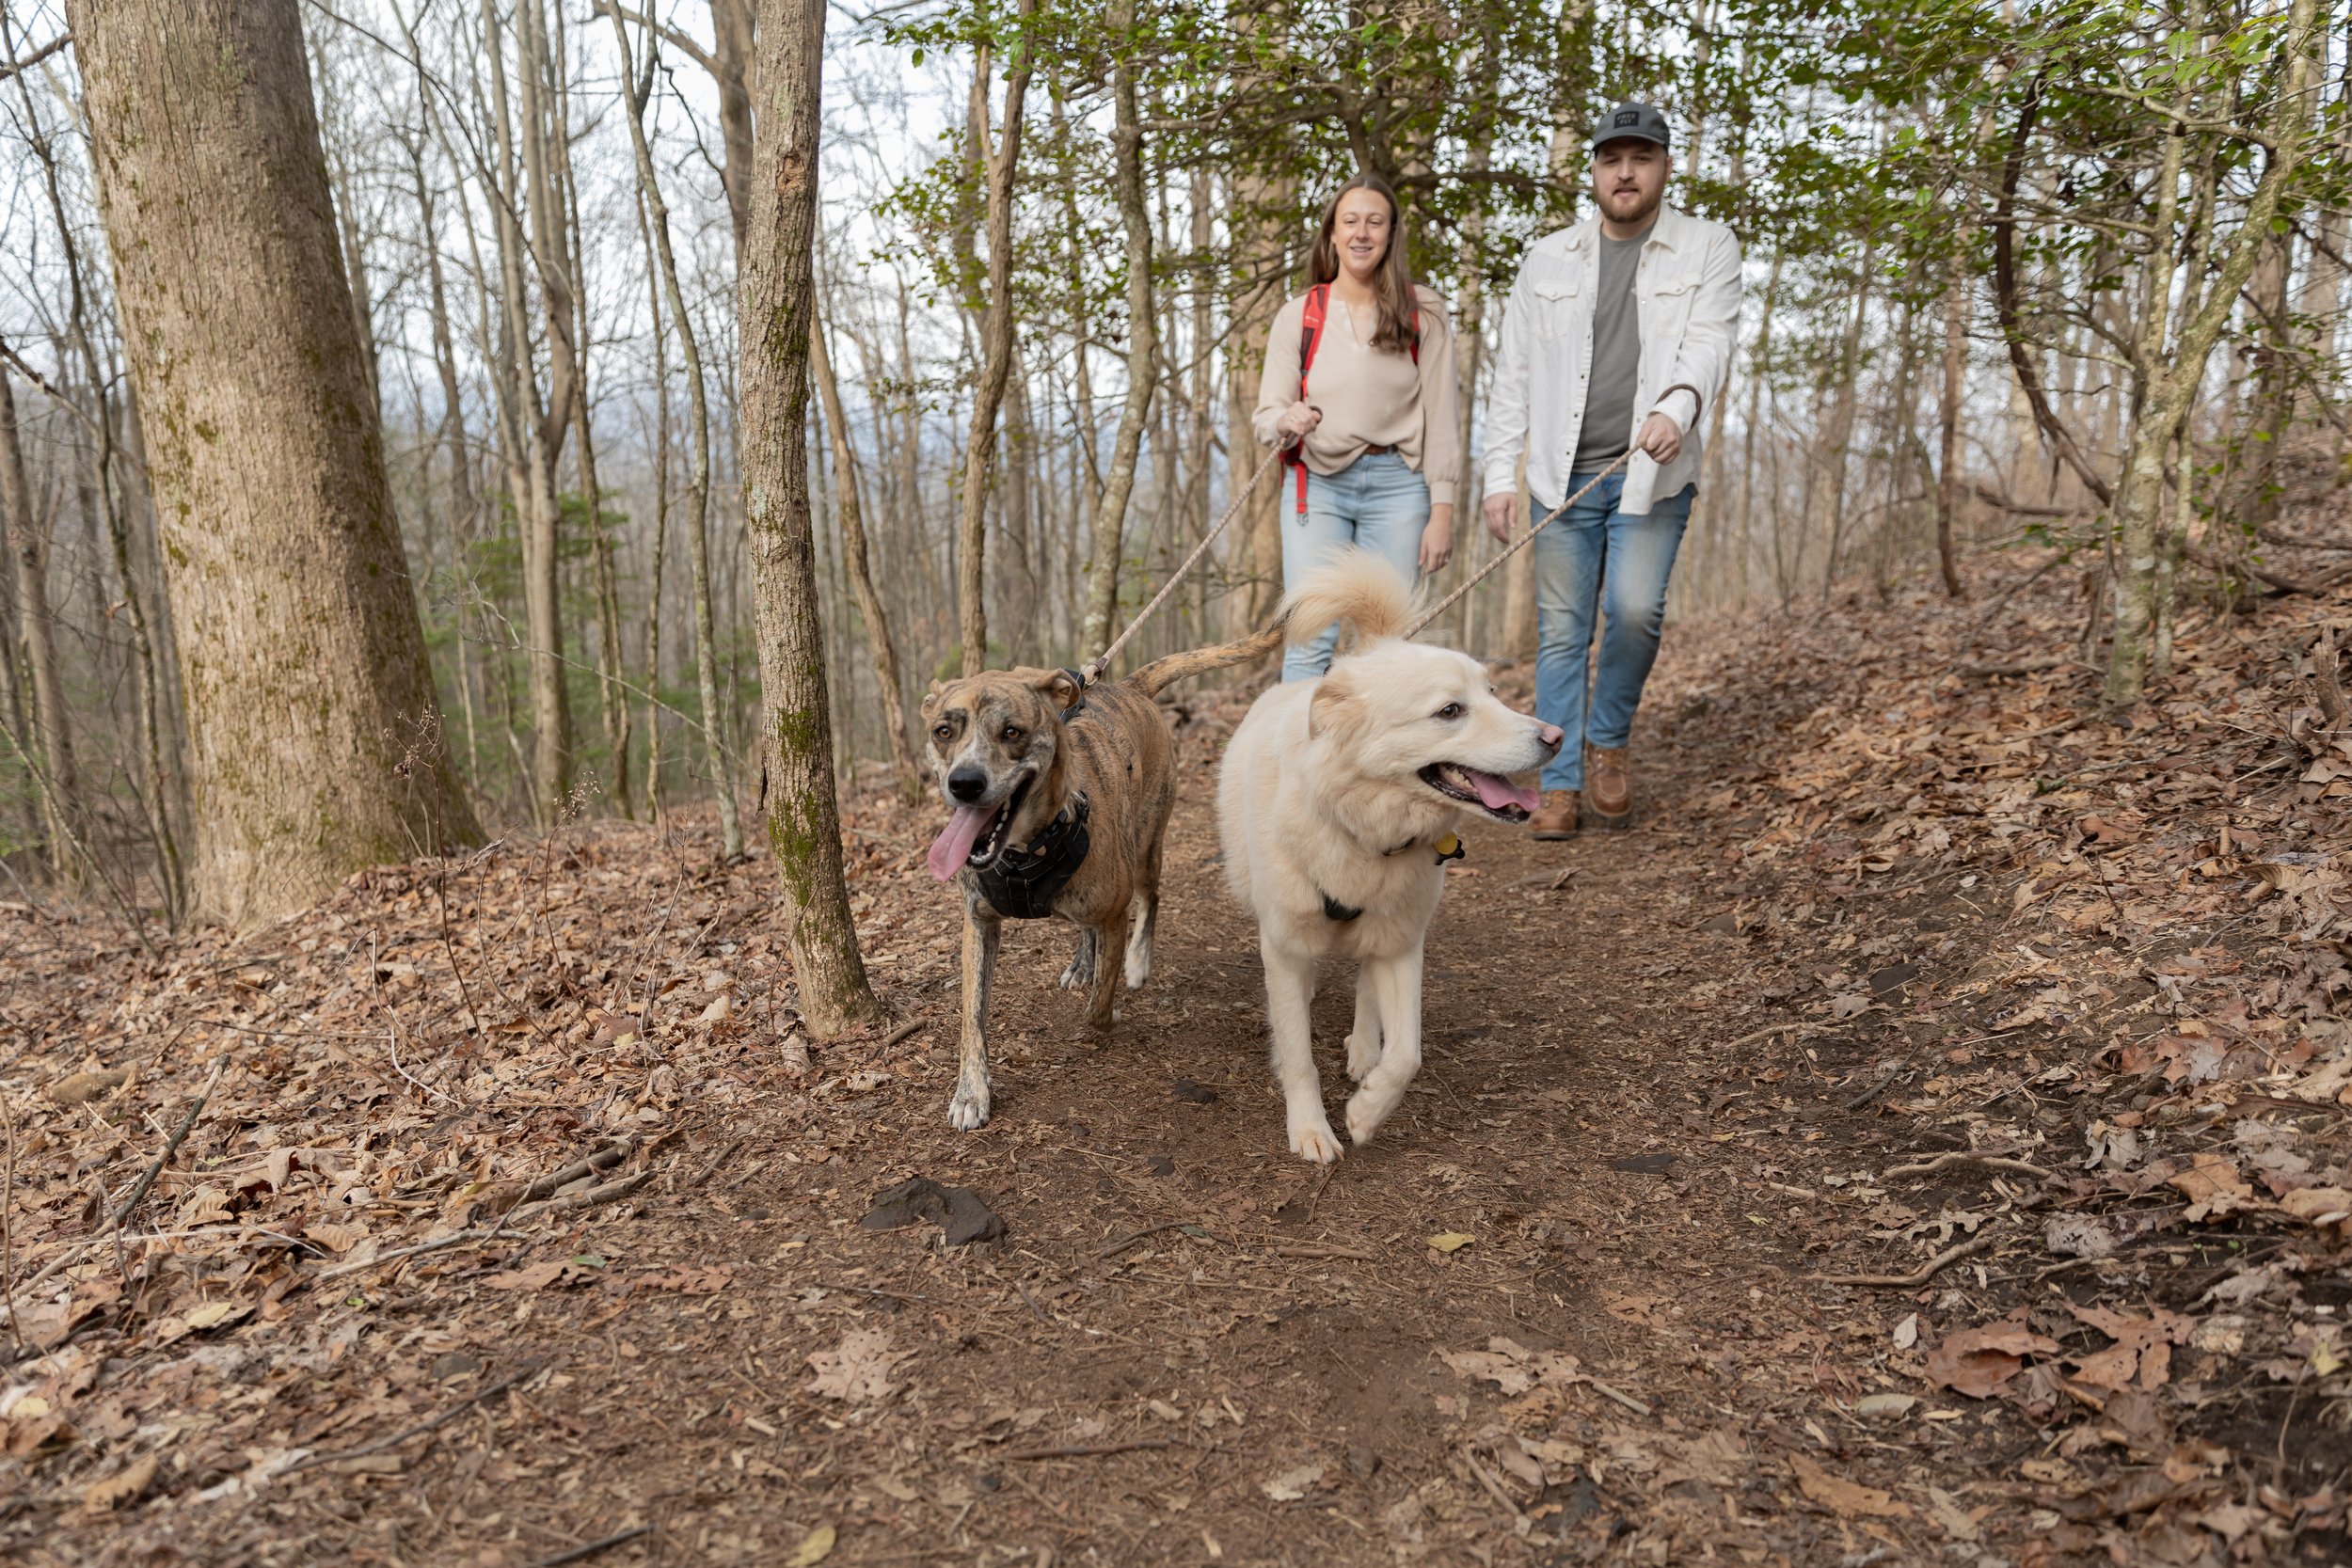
x=1669, y=302
x=1560, y=306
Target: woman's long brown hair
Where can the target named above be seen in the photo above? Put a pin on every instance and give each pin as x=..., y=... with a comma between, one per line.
x=1392, y=285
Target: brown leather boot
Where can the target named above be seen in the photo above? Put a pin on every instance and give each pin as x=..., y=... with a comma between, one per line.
x=1609, y=786
x=1557, y=817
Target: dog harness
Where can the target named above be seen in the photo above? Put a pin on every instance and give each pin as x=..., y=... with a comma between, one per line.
x=1022, y=884
x=1309, y=331
x=1448, y=849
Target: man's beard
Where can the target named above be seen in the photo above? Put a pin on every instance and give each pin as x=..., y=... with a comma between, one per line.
x=1642, y=209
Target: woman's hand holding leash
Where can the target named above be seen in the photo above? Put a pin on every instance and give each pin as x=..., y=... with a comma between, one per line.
x=1297, y=420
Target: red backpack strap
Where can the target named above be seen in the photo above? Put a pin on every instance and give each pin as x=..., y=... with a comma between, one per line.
x=1310, y=330
x=1414, y=347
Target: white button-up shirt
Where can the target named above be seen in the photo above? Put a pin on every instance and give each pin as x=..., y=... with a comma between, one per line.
x=1686, y=287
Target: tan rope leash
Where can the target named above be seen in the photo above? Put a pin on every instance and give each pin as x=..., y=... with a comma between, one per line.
x=1092, y=671
x=1521, y=542
x=1513, y=547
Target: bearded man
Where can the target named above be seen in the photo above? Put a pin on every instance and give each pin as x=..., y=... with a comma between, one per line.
x=1619, y=334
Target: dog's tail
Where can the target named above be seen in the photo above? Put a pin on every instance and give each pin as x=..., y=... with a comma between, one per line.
x=1357, y=587
x=1161, y=673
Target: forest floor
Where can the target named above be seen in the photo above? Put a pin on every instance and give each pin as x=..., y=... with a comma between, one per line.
x=1916, y=967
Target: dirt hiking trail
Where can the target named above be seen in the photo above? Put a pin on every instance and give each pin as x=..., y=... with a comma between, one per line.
x=1858, y=997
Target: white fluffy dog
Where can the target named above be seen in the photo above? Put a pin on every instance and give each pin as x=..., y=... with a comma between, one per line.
x=1338, y=801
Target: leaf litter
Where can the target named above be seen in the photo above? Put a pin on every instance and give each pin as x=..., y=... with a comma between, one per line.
x=499, y=1226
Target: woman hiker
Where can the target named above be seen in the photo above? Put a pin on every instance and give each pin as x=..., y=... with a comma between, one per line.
x=1359, y=384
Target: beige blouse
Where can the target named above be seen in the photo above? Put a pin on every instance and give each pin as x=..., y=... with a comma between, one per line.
x=1369, y=397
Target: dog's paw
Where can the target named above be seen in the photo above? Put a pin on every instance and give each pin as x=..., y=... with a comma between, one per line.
x=1076, y=977
x=1316, y=1140
x=1138, y=968
x=1363, y=1054
x=968, y=1109
x=1365, y=1113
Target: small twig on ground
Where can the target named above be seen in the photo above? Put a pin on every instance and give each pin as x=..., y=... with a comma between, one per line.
x=1877, y=1088
x=909, y=1027
x=1493, y=1486
x=1323, y=1179
x=1096, y=1451
x=611, y=1192
x=1637, y=1406
x=448, y=946
x=716, y=1161
x=592, y=1199
x=1322, y=1250
x=870, y=1291
x=1919, y=1276
x=589, y=1549
x=611, y=1154
x=1966, y=1157
x=315, y=1461
x=392, y=1017
x=1757, y=1037
x=1125, y=1242
x=455, y=1238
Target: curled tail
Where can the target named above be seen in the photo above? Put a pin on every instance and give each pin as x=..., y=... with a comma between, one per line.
x=1357, y=587
x=1162, y=674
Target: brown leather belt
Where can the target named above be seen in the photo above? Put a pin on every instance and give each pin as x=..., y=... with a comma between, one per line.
x=1379, y=451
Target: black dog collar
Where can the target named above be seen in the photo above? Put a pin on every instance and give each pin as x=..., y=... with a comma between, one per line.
x=1022, y=884
x=1448, y=849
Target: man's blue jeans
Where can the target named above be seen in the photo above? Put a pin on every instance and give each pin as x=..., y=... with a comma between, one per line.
x=1376, y=504
x=1597, y=559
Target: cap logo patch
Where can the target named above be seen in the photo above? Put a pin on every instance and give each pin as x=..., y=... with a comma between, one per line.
x=1628, y=117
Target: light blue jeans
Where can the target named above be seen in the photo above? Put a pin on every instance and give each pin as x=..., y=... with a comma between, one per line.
x=1596, y=558
x=1377, y=503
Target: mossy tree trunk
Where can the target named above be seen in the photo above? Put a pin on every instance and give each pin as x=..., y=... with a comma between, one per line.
x=315, y=750
x=778, y=306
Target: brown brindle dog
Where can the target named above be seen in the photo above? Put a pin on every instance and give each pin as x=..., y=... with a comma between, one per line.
x=1060, y=797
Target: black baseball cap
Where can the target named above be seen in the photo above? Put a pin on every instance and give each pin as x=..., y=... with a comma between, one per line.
x=1636, y=120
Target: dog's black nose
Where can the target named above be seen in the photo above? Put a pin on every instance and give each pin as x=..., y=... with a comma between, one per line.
x=967, y=785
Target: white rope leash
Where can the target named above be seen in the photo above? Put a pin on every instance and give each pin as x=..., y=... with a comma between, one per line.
x=1092, y=670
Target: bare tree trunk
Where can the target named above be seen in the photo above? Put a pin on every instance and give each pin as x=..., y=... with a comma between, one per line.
x=851, y=505
x=532, y=437
x=999, y=164
x=61, y=793
x=661, y=530
x=1955, y=388
x=698, y=482
x=317, y=746
x=1143, y=341
x=778, y=300
x=1838, y=437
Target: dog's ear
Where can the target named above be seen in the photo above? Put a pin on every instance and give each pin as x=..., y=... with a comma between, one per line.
x=931, y=698
x=1060, y=686
x=1329, y=706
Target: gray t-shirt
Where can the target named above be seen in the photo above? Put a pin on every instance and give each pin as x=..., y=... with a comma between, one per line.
x=1616, y=367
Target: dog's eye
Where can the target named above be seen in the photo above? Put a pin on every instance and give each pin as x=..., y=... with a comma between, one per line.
x=1011, y=735
x=1452, y=710
x=942, y=732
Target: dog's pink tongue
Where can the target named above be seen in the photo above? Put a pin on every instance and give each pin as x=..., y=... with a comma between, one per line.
x=1497, y=792
x=953, y=846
